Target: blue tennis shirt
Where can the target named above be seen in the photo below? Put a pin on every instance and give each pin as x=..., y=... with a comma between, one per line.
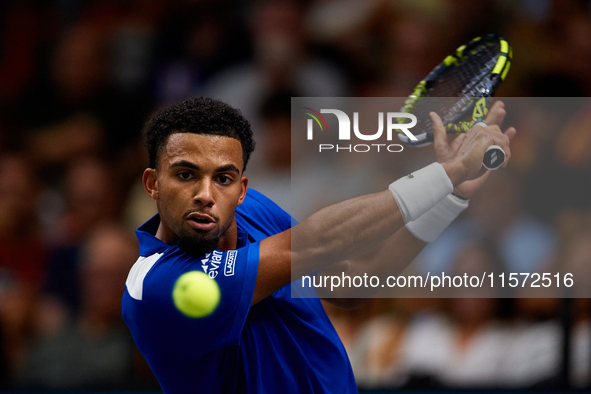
x=280, y=345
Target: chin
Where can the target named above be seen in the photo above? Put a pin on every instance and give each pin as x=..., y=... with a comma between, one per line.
x=199, y=246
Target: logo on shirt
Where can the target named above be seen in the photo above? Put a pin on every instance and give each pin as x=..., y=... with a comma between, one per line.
x=230, y=263
x=204, y=262
x=215, y=259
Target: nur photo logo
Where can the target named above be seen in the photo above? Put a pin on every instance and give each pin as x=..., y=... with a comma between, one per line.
x=389, y=123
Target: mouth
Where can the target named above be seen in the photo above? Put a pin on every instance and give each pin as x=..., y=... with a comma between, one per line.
x=200, y=221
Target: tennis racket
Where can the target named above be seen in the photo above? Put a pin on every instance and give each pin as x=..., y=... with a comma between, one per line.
x=465, y=81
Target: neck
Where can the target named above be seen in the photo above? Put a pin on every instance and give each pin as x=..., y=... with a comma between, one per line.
x=229, y=240
x=165, y=234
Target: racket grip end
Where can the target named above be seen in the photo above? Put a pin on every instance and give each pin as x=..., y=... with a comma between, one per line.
x=494, y=157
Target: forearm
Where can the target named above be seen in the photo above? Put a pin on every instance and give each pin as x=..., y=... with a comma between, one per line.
x=394, y=254
x=389, y=257
x=351, y=228
x=343, y=230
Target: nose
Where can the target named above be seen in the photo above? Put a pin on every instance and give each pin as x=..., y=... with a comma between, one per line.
x=204, y=192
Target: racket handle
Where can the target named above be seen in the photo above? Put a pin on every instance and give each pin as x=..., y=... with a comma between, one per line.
x=494, y=157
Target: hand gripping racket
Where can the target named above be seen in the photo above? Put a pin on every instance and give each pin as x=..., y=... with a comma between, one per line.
x=467, y=80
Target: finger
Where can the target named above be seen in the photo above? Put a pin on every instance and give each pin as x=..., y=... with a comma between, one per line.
x=483, y=174
x=510, y=132
x=507, y=157
x=439, y=134
x=500, y=139
x=504, y=144
x=496, y=114
x=507, y=140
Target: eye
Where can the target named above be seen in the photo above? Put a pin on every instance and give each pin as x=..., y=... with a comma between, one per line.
x=223, y=179
x=185, y=176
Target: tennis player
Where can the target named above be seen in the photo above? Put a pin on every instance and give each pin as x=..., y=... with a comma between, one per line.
x=260, y=339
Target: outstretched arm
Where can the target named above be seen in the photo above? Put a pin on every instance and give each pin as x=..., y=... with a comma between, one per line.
x=353, y=227
x=399, y=250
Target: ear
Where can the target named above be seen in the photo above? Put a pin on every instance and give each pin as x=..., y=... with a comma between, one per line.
x=243, y=188
x=150, y=181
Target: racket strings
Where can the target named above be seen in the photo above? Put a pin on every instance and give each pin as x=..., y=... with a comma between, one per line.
x=457, y=86
x=466, y=78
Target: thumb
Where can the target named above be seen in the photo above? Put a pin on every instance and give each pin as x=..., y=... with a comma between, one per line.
x=439, y=134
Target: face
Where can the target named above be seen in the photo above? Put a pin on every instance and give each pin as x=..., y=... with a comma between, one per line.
x=197, y=187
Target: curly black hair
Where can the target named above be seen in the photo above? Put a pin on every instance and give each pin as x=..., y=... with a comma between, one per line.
x=197, y=115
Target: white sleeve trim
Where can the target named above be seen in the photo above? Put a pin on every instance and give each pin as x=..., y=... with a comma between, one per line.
x=135, y=279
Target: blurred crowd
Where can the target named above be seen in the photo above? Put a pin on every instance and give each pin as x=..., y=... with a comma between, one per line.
x=79, y=77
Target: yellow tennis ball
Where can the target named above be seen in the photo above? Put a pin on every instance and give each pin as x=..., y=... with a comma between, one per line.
x=195, y=294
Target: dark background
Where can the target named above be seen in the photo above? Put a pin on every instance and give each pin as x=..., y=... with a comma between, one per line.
x=78, y=79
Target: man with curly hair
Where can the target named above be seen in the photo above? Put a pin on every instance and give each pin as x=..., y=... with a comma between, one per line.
x=260, y=339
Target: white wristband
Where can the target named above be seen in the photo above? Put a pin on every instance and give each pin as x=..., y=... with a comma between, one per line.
x=428, y=227
x=418, y=192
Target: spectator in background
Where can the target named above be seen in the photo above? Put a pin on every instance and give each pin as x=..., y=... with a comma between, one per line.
x=85, y=101
x=281, y=60
x=19, y=43
x=467, y=347
x=273, y=167
x=134, y=43
x=22, y=249
x=496, y=214
x=63, y=117
x=350, y=32
x=22, y=253
x=560, y=150
x=91, y=196
x=198, y=40
x=77, y=112
x=376, y=354
x=412, y=46
x=578, y=262
x=575, y=258
x=95, y=351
